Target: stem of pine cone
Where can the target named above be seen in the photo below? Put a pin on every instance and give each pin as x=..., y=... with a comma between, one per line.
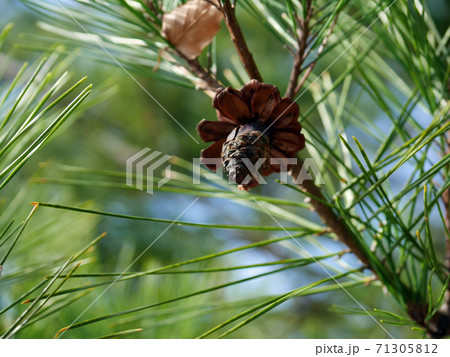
x=238, y=39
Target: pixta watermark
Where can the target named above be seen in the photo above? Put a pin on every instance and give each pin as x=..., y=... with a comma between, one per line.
x=141, y=169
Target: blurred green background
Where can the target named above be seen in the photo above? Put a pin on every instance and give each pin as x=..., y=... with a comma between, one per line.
x=105, y=135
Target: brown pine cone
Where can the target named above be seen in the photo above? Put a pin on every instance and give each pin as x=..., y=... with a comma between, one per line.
x=254, y=123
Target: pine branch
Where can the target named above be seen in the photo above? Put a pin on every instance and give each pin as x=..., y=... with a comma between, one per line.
x=438, y=326
x=302, y=52
x=328, y=216
x=238, y=39
x=313, y=63
x=194, y=66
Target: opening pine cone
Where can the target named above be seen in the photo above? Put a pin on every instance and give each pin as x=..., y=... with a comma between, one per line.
x=254, y=123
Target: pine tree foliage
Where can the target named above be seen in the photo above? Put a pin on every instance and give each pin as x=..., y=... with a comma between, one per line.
x=387, y=182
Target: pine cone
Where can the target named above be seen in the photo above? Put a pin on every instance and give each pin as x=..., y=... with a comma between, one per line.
x=248, y=144
x=254, y=123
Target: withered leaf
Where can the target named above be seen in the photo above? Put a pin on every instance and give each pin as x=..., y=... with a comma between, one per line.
x=192, y=26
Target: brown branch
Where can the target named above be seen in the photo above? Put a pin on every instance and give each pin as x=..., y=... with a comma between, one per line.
x=301, y=52
x=238, y=39
x=295, y=85
x=194, y=66
x=328, y=216
x=319, y=52
x=438, y=326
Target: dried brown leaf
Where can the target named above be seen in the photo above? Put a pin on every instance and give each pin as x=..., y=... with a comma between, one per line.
x=192, y=26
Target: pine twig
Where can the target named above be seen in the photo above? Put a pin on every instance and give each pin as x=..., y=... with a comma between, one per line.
x=194, y=66
x=328, y=216
x=311, y=66
x=238, y=39
x=302, y=52
x=438, y=326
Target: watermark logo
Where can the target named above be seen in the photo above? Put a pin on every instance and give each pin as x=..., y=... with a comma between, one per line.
x=142, y=166
x=308, y=166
